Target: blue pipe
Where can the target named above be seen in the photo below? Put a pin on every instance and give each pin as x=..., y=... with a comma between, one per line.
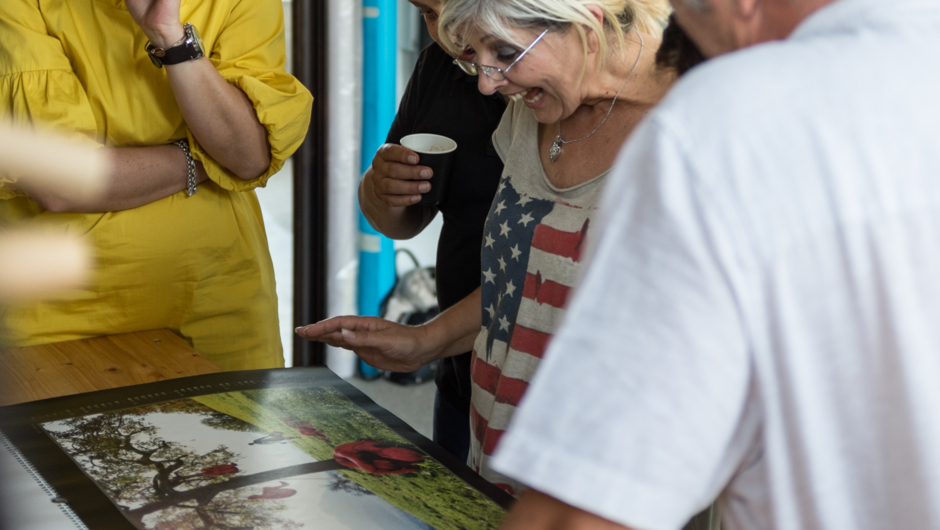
x=376, y=252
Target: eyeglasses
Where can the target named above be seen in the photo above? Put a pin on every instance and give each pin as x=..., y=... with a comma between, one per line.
x=494, y=73
x=468, y=67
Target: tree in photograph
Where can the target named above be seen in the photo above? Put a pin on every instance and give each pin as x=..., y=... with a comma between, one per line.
x=211, y=418
x=177, y=487
x=146, y=475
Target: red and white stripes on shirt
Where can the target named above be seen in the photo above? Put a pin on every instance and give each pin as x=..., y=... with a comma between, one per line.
x=531, y=257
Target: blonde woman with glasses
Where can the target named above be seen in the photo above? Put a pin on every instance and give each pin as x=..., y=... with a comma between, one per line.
x=579, y=76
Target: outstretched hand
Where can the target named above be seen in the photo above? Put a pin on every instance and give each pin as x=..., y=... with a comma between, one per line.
x=383, y=344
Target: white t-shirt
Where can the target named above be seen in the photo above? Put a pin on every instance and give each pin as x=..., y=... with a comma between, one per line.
x=761, y=315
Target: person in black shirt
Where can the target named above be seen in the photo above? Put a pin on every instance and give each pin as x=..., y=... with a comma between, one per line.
x=441, y=99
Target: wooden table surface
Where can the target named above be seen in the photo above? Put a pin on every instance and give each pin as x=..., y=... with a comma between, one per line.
x=73, y=367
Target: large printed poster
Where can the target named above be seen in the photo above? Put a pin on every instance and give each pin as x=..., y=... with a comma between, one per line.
x=283, y=449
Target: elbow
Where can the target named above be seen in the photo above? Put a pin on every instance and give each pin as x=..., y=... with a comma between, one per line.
x=255, y=168
x=53, y=203
x=55, y=206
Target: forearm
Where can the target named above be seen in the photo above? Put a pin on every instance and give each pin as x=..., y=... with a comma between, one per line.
x=396, y=222
x=221, y=117
x=136, y=176
x=454, y=330
x=537, y=511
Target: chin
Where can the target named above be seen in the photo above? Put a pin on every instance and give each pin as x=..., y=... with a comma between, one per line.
x=546, y=114
x=543, y=117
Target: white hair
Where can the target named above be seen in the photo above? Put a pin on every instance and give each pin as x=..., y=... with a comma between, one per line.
x=498, y=17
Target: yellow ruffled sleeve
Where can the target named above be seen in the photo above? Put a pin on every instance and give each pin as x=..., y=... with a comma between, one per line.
x=37, y=84
x=250, y=54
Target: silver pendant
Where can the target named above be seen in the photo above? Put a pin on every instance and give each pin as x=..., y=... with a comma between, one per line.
x=555, y=151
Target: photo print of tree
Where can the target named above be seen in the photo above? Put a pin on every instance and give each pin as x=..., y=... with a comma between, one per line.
x=273, y=458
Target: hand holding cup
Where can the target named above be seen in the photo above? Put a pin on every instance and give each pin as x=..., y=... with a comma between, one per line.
x=396, y=178
x=401, y=176
x=437, y=153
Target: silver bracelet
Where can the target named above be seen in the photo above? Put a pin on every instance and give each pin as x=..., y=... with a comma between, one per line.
x=190, y=167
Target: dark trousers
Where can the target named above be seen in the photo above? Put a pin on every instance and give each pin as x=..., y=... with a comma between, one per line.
x=451, y=428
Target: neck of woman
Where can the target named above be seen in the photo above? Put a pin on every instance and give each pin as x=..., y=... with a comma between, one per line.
x=631, y=71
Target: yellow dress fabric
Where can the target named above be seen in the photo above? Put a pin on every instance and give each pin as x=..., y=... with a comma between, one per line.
x=198, y=265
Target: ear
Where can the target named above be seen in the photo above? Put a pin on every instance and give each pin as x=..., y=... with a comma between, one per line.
x=593, y=43
x=596, y=12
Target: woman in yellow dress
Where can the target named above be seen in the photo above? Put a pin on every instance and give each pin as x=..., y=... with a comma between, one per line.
x=130, y=77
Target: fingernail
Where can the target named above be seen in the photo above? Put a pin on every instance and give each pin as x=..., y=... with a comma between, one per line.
x=415, y=198
x=347, y=334
x=412, y=159
x=297, y=329
x=424, y=187
x=425, y=173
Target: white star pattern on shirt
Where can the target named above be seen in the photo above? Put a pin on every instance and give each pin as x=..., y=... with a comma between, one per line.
x=516, y=252
x=502, y=264
x=489, y=241
x=523, y=200
x=526, y=219
x=490, y=276
x=503, y=324
x=510, y=288
x=500, y=207
x=492, y=311
x=504, y=229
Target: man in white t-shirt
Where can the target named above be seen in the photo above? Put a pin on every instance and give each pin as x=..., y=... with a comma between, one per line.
x=760, y=321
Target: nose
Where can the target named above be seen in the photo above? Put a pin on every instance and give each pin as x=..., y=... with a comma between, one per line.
x=487, y=85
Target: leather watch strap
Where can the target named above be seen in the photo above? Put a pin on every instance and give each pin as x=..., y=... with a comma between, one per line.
x=178, y=54
x=187, y=49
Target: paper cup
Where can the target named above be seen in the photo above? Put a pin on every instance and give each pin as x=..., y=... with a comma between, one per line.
x=437, y=153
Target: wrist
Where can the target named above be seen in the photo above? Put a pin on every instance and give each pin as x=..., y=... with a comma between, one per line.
x=166, y=36
x=434, y=341
x=191, y=177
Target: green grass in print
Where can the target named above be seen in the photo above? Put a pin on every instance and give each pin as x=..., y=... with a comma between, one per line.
x=434, y=494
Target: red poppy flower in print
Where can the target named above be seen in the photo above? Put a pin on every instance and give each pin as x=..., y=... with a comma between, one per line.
x=378, y=458
x=221, y=469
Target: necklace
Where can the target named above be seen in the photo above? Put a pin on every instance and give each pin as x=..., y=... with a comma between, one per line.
x=555, y=151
